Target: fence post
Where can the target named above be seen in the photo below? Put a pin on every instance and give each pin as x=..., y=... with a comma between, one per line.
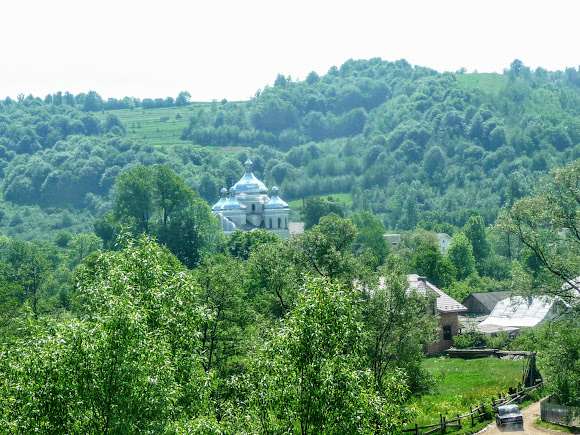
x=459, y=421
x=444, y=425
x=471, y=413
x=416, y=429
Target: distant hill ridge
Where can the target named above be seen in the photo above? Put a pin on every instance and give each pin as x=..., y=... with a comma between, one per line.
x=405, y=142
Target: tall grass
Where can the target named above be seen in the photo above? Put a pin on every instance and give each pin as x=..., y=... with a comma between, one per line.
x=464, y=383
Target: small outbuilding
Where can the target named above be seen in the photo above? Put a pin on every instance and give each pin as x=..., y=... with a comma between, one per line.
x=483, y=302
x=512, y=314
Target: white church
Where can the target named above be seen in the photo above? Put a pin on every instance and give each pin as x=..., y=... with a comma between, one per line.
x=249, y=207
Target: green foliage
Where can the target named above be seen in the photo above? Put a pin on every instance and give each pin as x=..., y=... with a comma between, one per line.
x=500, y=341
x=62, y=239
x=184, y=222
x=224, y=334
x=309, y=377
x=396, y=329
x=371, y=235
x=127, y=365
x=24, y=271
x=410, y=143
x=241, y=244
x=469, y=340
x=489, y=82
x=460, y=254
x=134, y=197
x=113, y=121
x=326, y=250
x=547, y=226
x=81, y=245
x=474, y=229
x=430, y=263
x=560, y=365
x=316, y=207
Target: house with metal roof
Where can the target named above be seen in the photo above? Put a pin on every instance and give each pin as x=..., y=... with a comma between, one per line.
x=249, y=207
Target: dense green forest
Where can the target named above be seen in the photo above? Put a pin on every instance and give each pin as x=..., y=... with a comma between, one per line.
x=124, y=309
x=408, y=143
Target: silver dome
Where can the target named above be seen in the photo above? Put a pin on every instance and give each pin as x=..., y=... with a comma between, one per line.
x=249, y=184
x=275, y=202
x=218, y=205
x=232, y=203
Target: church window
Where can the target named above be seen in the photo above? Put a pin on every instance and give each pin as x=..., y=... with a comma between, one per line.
x=286, y=223
x=279, y=222
x=270, y=222
x=253, y=208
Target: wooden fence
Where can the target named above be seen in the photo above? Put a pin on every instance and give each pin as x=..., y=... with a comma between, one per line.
x=478, y=413
x=516, y=395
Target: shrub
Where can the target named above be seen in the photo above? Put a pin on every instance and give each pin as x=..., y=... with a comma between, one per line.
x=469, y=339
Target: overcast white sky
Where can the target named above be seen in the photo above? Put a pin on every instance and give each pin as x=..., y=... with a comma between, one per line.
x=230, y=49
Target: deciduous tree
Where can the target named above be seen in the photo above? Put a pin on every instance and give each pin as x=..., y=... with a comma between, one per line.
x=310, y=377
x=460, y=254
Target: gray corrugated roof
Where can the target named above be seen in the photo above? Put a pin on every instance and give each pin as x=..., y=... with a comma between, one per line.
x=488, y=299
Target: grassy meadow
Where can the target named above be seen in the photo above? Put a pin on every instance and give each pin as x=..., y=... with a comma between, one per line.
x=345, y=198
x=489, y=82
x=464, y=383
x=161, y=127
x=157, y=127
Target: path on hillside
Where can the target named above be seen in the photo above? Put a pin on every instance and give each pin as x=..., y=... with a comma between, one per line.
x=531, y=413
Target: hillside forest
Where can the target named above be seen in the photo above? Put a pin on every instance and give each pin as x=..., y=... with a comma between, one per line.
x=125, y=309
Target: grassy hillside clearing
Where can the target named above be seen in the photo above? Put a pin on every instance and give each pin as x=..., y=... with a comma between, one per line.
x=488, y=82
x=344, y=198
x=161, y=127
x=464, y=383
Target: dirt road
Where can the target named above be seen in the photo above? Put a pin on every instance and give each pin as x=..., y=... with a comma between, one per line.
x=531, y=413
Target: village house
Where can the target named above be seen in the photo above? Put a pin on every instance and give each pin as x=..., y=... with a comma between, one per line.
x=446, y=307
x=444, y=242
x=441, y=304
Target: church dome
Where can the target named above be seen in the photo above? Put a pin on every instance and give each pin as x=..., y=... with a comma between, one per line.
x=276, y=202
x=218, y=205
x=249, y=184
x=232, y=203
